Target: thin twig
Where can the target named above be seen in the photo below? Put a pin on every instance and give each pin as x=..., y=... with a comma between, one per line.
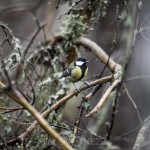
x=3, y=66
x=132, y=101
x=115, y=104
x=77, y=121
x=7, y=31
x=5, y=145
x=33, y=99
x=32, y=39
x=11, y=110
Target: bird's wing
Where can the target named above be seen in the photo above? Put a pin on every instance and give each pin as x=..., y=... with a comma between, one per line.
x=66, y=73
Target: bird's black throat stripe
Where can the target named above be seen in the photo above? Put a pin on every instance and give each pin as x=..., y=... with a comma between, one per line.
x=83, y=69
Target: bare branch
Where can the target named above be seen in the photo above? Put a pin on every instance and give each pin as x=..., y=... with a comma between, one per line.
x=103, y=99
x=54, y=107
x=132, y=101
x=19, y=98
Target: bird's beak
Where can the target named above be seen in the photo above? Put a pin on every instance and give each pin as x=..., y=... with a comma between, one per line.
x=87, y=61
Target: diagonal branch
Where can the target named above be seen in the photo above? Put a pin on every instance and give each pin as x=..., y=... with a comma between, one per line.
x=103, y=99
x=54, y=107
x=132, y=101
x=19, y=98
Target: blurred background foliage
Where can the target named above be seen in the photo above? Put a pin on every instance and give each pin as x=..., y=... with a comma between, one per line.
x=111, y=25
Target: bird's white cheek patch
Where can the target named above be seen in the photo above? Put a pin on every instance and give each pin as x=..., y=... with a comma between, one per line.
x=79, y=63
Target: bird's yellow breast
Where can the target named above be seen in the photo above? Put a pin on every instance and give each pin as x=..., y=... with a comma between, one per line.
x=76, y=74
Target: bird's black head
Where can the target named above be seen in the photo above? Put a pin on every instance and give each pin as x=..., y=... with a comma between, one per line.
x=80, y=61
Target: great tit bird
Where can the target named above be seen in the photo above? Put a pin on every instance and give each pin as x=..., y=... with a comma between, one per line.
x=76, y=70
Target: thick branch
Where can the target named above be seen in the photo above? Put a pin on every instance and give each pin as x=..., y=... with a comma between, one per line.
x=19, y=98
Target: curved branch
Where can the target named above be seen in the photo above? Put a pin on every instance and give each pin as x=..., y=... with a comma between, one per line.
x=98, y=51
